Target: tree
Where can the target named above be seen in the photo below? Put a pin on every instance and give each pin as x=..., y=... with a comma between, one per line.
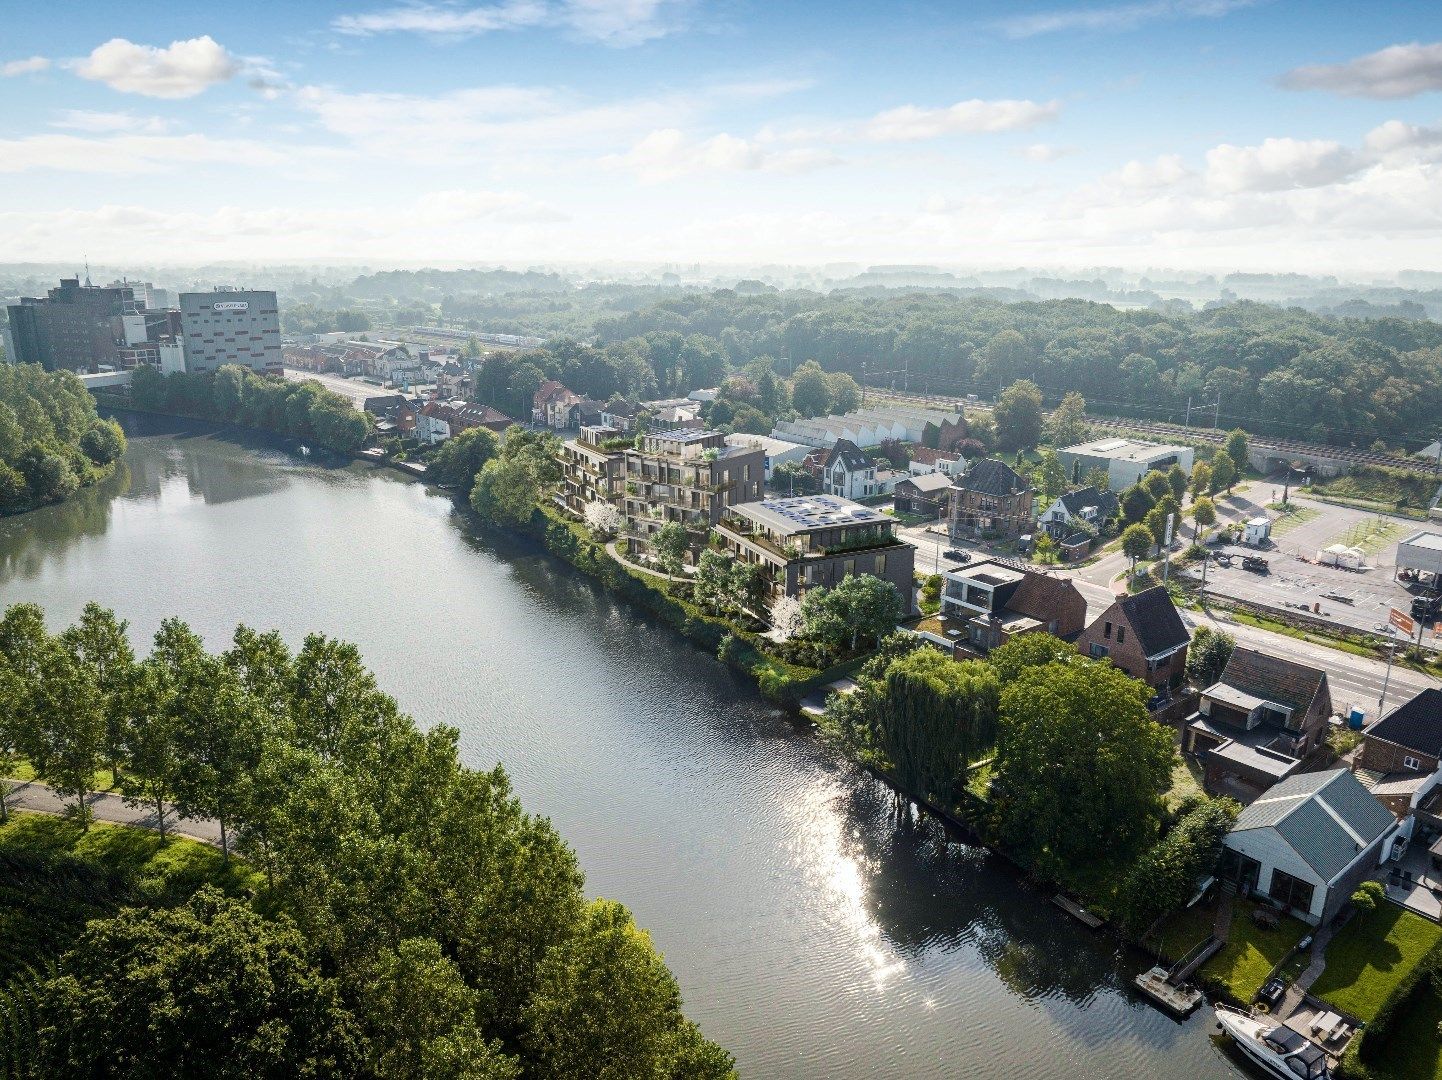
x=1136, y=503
x=419, y=1013
x=1167, y=874
x=671, y=545
x=859, y=606
x=604, y=519
x=206, y=989
x=845, y=392
x=150, y=746
x=1080, y=768
x=1157, y=484
x=505, y=492
x=713, y=586
x=1137, y=541
x=1018, y=416
x=71, y=727
x=1045, y=549
x=606, y=1007
x=99, y=644
x=1204, y=516
x=1159, y=516
x=1068, y=425
x=462, y=457
x=1178, y=481
x=1201, y=479
x=1007, y=357
x=1097, y=477
x=1224, y=473
x=1051, y=475
x=104, y=442
x=1237, y=448
x=810, y=390
x=786, y=618
x=1036, y=649
x=1208, y=655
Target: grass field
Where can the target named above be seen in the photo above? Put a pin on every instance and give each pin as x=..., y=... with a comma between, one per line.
x=1297, y=515
x=54, y=877
x=1249, y=955
x=1371, y=955
x=1371, y=535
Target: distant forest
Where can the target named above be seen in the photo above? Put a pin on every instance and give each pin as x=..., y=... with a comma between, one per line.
x=1267, y=368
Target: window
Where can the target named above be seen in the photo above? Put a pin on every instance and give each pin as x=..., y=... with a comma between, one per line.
x=880, y=565
x=1409, y=762
x=1290, y=891
x=1107, y=631
x=1121, y=634
x=1099, y=650
x=849, y=567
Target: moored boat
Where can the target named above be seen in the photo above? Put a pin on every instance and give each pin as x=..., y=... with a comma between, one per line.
x=1282, y=1052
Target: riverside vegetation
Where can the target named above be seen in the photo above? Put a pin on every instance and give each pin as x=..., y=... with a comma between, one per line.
x=52, y=442
x=387, y=912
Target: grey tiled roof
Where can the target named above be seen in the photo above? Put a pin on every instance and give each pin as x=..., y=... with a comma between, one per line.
x=1271, y=677
x=1326, y=817
x=992, y=477
x=1415, y=724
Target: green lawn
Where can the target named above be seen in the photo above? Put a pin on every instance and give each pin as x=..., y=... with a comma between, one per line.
x=1371, y=955
x=24, y=771
x=1249, y=955
x=1412, y=1050
x=1290, y=519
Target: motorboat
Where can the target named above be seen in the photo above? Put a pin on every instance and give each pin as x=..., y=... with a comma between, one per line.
x=1282, y=1052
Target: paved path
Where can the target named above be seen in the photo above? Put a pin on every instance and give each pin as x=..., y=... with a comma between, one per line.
x=42, y=799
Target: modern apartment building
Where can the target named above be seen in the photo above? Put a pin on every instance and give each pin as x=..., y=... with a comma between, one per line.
x=593, y=467
x=689, y=477
x=74, y=327
x=819, y=540
x=231, y=326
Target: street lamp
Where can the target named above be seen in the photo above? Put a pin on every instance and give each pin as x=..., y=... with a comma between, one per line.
x=1387, y=678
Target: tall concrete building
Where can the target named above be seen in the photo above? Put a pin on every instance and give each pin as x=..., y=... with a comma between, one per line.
x=231, y=326
x=73, y=327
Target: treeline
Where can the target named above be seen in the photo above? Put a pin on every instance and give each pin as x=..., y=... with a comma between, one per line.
x=310, y=319
x=1071, y=773
x=416, y=922
x=1282, y=371
x=51, y=439
x=236, y=395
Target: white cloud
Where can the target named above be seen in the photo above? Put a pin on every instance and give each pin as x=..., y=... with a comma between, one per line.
x=1046, y=152
x=1117, y=16
x=1165, y=171
x=1398, y=71
x=909, y=123
x=1279, y=164
x=1395, y=138
x=11, y=68
x=181, y=70
x=667, y=154
x=101, y=122
x=130, y=154
x=611, y=22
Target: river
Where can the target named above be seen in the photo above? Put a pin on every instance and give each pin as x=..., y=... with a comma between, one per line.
x=814, y=934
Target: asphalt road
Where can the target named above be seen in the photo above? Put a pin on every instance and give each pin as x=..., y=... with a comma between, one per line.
x=354, y=389
x=41, y=799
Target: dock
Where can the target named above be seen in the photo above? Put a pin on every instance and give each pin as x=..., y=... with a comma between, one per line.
x=1076, y=911
x=1178, y=999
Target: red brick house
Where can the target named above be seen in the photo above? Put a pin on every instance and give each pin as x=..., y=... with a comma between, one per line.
x=1144, y=636
x=991, y=499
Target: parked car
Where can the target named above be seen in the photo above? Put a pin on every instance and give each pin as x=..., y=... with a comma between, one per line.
x=957, y=555
x=1254, y=564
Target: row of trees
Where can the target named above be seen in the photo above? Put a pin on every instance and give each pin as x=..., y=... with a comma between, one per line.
x=237, y=395
x=426, y=925
x=51, y=439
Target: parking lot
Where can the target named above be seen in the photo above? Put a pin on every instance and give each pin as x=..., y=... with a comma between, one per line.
x=1360, y=599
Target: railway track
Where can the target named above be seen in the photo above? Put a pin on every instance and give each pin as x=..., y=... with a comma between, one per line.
x=1282, y=447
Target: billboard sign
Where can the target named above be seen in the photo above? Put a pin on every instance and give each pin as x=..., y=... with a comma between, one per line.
x=230, y=305
x=1402, y=621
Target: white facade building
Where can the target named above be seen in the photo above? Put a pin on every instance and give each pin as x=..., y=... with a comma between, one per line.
x=231, y=326
x=1125, y=460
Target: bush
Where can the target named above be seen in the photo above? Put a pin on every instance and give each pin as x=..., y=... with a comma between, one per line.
x=1368, y=895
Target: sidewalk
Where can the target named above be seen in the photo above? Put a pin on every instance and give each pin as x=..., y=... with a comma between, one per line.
x=41, y=799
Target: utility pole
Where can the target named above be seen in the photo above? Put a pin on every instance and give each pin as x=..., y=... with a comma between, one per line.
x=1386, y=679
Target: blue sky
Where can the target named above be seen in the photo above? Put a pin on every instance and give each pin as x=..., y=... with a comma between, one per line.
x=1208, y=134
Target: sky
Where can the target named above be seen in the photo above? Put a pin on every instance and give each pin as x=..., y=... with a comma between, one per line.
x=1266, y=135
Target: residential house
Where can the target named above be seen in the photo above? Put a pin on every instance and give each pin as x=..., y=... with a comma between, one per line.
x=584, y=412
x=928, y=494
x=551, y=405
x=394, y=414
x=992, y=601
x=673, y=412
x=1400, y=755
x=817, y=541
x=689, y=477
x=438, y=421
x=926, y=459
x=593, y=467
x=847, y=472
x=1307, y=843
x=990, y=499
x=1256, y=723
x=1077, y=510
x=619, y=414
x=1144, y=636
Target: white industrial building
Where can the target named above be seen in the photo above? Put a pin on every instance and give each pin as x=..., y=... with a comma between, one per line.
x=1125, y=460
x=231, y=326
x=866, y=427
x=1421, y=555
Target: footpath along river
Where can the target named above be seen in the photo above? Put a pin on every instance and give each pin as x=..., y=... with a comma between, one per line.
x=814, y=934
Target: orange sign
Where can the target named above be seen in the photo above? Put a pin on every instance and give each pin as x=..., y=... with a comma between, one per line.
x=1402, y=621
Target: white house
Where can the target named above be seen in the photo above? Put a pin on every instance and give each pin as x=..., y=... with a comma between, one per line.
x=848, y=473
x=1085, y=506
x=778, y=451
x=925, y=460
x=1308, y=842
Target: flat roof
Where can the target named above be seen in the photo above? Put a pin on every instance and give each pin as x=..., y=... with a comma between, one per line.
x=807, y=513
x=1230, y=695
x=1428, y=540
x=1124, y=449
x=684, y=435
x=987, y=573
x=1259, y=758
